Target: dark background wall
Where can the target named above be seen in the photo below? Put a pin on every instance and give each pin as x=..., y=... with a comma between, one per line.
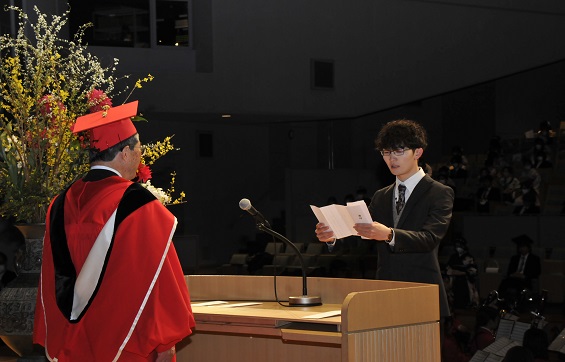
x=468, y=70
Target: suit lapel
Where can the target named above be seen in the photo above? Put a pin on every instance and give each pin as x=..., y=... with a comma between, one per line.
x=420, y=189
x=388, y=212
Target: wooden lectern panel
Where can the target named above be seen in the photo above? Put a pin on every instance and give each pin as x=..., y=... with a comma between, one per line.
x=248, y=348
x=378, y=321
x=390, y=307
x=416, y=343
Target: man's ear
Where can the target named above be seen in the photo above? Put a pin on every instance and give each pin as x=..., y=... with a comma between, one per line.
x=418, y=153
x=123, y=154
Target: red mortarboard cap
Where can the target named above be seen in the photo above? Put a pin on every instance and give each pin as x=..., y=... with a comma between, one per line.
x=110, y=127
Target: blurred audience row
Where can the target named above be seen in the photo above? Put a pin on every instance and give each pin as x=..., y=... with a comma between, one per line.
x=506, y=175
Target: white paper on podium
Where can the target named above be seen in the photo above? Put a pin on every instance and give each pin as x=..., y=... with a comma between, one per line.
x=236, y=305
x=331, y=313
x=341, y=219
x=208, y=304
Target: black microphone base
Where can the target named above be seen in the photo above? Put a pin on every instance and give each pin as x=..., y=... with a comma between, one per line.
x=304, y=301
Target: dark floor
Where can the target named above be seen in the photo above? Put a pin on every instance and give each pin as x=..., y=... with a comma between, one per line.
x=6, y=354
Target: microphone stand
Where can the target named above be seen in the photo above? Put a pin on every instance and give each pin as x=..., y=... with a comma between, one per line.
x=298, y=301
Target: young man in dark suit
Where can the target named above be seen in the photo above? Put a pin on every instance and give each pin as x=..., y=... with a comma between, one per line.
x=411, y=220
x=523, y=271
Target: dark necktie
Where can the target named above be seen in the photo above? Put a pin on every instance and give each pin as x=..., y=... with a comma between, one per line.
x=400, y=201
x=522, y=264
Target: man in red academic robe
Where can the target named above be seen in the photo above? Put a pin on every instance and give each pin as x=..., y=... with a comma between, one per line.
x=111, y=285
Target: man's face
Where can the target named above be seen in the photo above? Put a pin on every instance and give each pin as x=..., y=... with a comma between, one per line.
x=405, y=165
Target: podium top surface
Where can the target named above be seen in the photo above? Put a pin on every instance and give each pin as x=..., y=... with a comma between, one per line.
x=363, y=304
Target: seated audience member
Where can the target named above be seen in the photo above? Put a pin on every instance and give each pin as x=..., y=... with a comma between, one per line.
x=486, y=322
x=462, y=272
x=509, y=184
x=523, y=271
x=537, y=342
x=457, y=151
x=361, y=194
x=518, y=354
x=442, y=176
x=530, y=175
x=538, y=147
x=456, y=168
x=527, y=202
x=495, y=155
x=486, y=193
x=453, y=348
x=546, y=134
x=541, y=160
x=426, y=167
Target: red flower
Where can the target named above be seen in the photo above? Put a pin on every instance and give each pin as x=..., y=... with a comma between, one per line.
x=143, y=173
x=97, y=99
x=45, y=104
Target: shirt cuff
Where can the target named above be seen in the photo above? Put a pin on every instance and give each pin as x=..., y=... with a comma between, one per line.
x=391, y=242
x=331, y=245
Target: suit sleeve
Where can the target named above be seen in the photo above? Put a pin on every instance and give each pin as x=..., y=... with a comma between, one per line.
x=436, y=211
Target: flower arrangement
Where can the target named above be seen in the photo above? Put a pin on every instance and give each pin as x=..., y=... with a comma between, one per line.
x=46, y=82
x=151, y=153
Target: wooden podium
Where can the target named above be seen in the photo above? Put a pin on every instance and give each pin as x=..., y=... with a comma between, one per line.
x=379, y=321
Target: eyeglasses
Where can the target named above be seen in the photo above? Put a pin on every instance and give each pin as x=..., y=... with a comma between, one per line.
x=397, y=152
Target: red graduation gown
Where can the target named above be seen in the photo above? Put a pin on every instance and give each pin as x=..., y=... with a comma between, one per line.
x=140, y=305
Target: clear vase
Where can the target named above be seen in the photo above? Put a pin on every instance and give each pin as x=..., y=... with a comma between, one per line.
x=18, y=298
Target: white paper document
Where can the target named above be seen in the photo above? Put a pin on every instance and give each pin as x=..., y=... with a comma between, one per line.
x=236, y=305
x=504, y=328
x=331, y=313
x=512, y=330
x=341, y=219
x=501, y=346
x=208, y=304
x=482, y=356
x=558, y=343
x=518, y=331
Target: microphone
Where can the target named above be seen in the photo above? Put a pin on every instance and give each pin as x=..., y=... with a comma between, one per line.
x=245, y=204
x=262, y=224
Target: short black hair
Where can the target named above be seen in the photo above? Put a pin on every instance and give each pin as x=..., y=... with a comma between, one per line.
x=110, y=153
x=401, y=133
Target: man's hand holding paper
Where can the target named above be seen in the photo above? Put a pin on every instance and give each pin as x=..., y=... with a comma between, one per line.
x=338, y=221
x=374, y=230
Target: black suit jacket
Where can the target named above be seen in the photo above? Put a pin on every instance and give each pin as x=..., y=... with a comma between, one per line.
x=421, y=227
x=532, y=269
